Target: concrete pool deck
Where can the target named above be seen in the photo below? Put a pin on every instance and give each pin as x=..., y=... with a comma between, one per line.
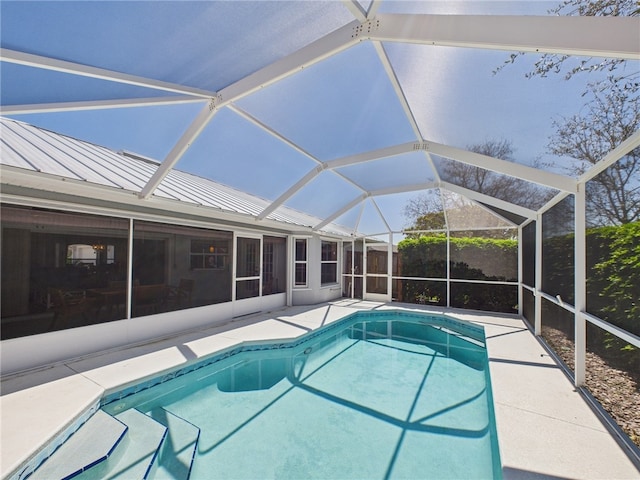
x=545, y=427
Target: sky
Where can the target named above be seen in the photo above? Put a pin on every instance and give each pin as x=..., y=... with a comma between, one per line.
x=341, y=106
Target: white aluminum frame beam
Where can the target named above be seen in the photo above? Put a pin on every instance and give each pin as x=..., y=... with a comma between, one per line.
x=580, y=286
x=386, y=63
x=300, y=183
x=291, y=191
x=179, y=149
x=337, y=163
x=570, y=35
x=384, y=220
x=98, y=105
x=356, y=9
x=388, y=68
x=373, y=8
x=520, y=272
x=47, y=63
x=537, y=326
x=247, y=116
x=343, y=210
x=329, y=45
x=359, y=219
x=403, y=189
x=304, y=180
x=375, y=193
x=501, y=166
x=495, y=202
x=617, y=331
x=372, y=155
x=593, y=36
x=553, y=202
x=513, y=169
x=612, y=157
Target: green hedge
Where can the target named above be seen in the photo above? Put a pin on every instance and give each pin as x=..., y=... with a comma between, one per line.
x=613, y=272
x=616, y=275
x=425, y=257
x=613, y=284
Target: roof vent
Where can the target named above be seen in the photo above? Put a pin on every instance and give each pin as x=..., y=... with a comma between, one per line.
x=139, y=157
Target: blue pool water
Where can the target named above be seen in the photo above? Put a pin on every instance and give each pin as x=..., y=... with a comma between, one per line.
x=382, y=395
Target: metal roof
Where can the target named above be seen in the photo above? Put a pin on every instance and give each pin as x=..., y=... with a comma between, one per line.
x=38, y=150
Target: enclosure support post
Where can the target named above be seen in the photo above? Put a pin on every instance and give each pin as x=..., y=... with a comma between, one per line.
x=580, y=278
x=538, y=317
x=390, y=268
x=448, y=269
x=291, y=254
x=130, y=271
x=520, y=296
x=352, y=279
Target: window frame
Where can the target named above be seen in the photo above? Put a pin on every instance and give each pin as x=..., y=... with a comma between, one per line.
x=297, y=262
x=335, y=262
x=242, y=278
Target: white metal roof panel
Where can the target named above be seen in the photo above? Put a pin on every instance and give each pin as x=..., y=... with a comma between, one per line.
x=34, y=158
x=58, y=157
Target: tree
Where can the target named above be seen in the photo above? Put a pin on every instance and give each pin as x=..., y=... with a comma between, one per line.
x=503, y=187
x=425, y=212
x=551, y=63
x=480, y=179
x=610, y=117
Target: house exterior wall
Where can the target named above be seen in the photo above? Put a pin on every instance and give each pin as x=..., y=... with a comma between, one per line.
x=315, y=292
x=41, y=250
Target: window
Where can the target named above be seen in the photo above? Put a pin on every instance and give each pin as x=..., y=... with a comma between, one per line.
x=193, y=263
x=377, y=267
x=352, y=268
x=329, y=263
x=248, y=268
x=54, y=265
x=301, y=262
x=94, y=254
x=209, y=253
x=274, y=265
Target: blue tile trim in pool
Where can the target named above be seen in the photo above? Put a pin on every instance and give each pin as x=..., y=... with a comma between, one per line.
x=459, y=327
x=56, y=443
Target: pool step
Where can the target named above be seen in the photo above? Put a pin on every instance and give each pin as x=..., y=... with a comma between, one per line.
x=93, y=443
x=135, y=456
x=178, y=449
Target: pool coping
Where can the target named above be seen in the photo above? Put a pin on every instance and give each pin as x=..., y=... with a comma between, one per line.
x=545, y=427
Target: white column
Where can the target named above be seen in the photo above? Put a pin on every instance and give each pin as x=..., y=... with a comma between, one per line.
x=448, y=269
x=130, y=270
x=538, y=319
x=291, y=263
x=580, y=280
x=520, y=261
x=352, y=279
x=365, y=259
x=390, y=269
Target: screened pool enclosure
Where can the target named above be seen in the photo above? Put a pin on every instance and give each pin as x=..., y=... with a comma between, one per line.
x=223, y=158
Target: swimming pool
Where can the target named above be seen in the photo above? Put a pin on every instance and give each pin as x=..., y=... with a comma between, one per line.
x=376, y=395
